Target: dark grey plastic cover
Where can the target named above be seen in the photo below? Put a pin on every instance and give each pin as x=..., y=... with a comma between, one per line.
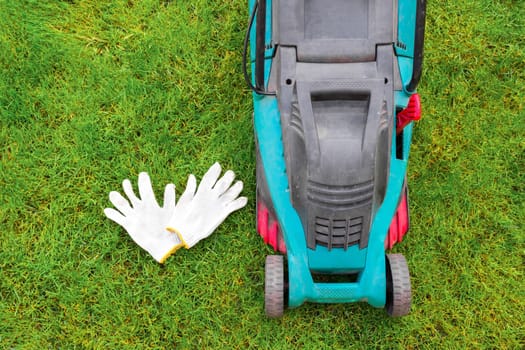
x=334, y=77
x=333, y=30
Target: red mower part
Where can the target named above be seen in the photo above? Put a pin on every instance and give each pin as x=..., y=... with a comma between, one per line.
x=399, y=225
x=410, y=113
x=268, y=229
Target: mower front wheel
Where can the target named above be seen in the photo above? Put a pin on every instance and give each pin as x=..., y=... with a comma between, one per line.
x=274, y=286
x=398, y=290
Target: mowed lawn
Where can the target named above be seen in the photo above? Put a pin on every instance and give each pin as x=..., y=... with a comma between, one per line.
x=95, y=91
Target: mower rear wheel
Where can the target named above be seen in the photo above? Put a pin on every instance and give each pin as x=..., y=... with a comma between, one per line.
x=274, y=286
x=398, y=290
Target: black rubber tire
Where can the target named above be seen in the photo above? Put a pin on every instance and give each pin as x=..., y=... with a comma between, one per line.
x=398, y=290
x=274, y=286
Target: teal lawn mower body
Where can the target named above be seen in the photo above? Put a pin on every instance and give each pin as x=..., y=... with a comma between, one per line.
x=334, y=99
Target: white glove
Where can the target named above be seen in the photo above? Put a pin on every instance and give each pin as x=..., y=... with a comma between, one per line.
x=144, y=220
x=198, y=214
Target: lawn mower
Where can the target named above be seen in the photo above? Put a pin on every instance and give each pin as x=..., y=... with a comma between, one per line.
x=334, y=94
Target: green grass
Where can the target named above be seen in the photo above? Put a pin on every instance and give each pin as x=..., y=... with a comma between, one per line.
x=92, y=92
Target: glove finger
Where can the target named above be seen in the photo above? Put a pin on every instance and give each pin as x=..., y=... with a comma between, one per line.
x=145, y=189
x=232, y=193
x=114, y=215
x=189, y=192
x=120, y=203
x=210, y=178
x=169, y=197
x=224, y=182
x=236, y=204
x=128, y=190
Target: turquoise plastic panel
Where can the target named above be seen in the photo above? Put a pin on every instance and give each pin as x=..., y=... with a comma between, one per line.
x=268, y=133
x=338, y=260
x=405, y=68
x=406, y=27
x=401, y=99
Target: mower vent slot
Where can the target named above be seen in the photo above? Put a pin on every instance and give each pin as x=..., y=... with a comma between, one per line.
x=401, y=45
x=335, y=278
x=341, y=197
x=338, y=233
x=399, y=145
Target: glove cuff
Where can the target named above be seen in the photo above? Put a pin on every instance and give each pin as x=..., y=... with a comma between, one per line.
x=161, y=248
x=170, y=253
x=186, y=240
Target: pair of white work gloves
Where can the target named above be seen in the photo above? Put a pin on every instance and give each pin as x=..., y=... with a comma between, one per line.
x=161, y=231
